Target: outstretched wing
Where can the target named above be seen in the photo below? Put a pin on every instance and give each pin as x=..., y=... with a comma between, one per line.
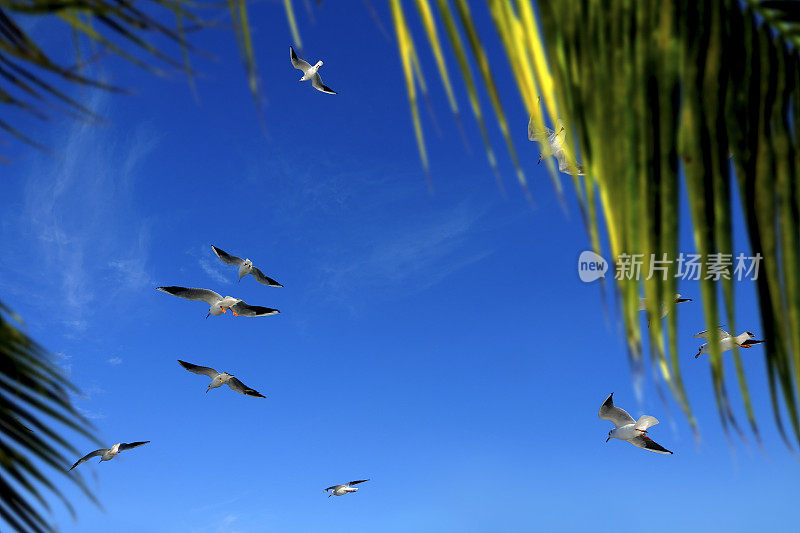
x=645, y=421
x=204, y=295
x=649, y=444
x=89, y=456
x=226, y=257
x=298, y=63
x=261, y=278
x=333, y=487
x=619, y=417
x=241, y=388
x=202, y=370
x=316, y=81
x=708, y=334
x=243, y=309
x=128, y=445
x=538, y=135
x=357, y=482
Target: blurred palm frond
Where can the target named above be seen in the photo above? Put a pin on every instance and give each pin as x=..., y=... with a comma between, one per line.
x=659, y=96
x=35, y=409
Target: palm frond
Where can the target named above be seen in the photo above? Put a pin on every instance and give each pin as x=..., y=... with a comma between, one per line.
x=658, y=96
x=34, y=411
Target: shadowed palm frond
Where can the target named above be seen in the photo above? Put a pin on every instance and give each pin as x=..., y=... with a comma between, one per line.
x=35, y=410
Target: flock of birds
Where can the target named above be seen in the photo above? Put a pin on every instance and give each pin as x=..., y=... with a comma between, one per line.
x=219, y=305
x=635, y=431
x=553, y=144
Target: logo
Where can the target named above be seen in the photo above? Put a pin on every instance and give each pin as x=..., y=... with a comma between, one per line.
x=591, y=266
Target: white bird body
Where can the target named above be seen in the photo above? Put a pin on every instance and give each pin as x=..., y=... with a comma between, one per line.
x=245, y=267
x=217, y=305
x=218, y=379
x=726, y=340
x=628, y=429
x=309, y=72
x=106, y=454
x=554, y=143
x=341, y=490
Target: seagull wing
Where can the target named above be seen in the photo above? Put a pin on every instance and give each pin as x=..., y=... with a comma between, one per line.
x=334, y=487
x=357, y=482
x=649, y=444
x=226, y=257
x=204, y=295
x=619, y=417
x=539, y=135
x=564, y=167
x=241, y=388
x=243, y=309
x=264, y=280
x=316, y=81
x=645, y=421
x=201, y=370
x=128, y=445
x=89, y=456
x=298, y=63
x=748, y=342
x=718, y=332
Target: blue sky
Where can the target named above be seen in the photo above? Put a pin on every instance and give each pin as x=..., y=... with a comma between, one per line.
x=441, y=344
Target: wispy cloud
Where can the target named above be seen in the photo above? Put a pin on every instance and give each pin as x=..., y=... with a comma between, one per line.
x=413, y=256
x=114, y=361
x=78, y=207
x=90, y=415
x=213, y=269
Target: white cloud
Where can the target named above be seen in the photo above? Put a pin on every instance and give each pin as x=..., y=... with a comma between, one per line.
x=114, y=361
x=78, y=207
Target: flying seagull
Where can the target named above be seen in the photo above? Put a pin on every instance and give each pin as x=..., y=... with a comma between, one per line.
x=626, y=428
x=552, y=143
x=726, y=340
x=217, y=304
x=106, y=454
x=341, y=490
x=666, y=307
x=309, y=72
x=245, y=267
x=218, y=379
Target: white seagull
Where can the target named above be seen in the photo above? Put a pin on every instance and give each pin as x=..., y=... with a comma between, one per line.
x=726, y=340
x=218, y=379
x=106, y=454
x=666, y=307
x=552, y=143
x=309, y=72
x=628, y=429
x=245, y=267
x=341, y=490
x=218, y=304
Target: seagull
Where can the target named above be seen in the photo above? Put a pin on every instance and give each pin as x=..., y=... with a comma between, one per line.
x=245, y=267
x=309, y=72
x=626, y=428
x=726, y=340
x=106, y=454
x=665, y=306
x=341, y=490
x=218, y=304
x=218, y=379
x=553, y=143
